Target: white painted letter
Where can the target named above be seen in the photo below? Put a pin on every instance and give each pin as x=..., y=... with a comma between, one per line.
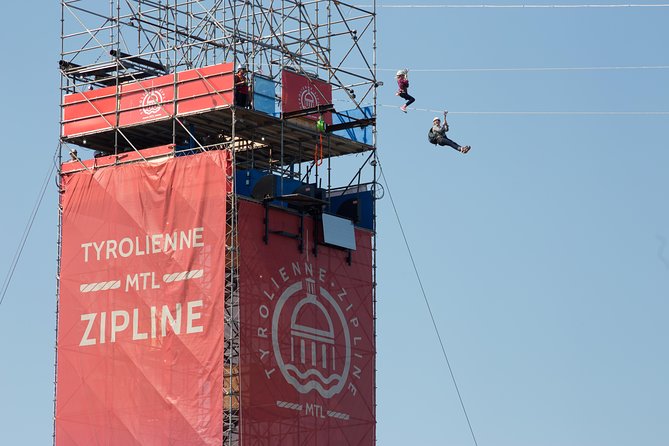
x=115, y=327
x=136, y=335
x=193, y=316
x=84, y=339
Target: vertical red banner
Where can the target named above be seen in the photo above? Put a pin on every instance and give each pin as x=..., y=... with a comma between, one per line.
x=307, y=362
x=141, y=308
x=299, y=92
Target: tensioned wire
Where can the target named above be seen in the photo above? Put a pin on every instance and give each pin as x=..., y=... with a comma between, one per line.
x=530, y=69
x=26, y=230
x=531, y=112
x=537, y=113
x=512, y=69
x=503, y=69
x=427, y=302
x=522, y=6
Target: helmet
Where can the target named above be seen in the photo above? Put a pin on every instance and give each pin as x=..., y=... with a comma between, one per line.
x=402, y=72
x=436, y=118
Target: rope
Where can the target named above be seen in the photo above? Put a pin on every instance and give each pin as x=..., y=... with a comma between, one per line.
x=427, y=304
x=99, y=286
x=511, y=69
x=26, y=230
x=521, y=6
x=470, y=70
x=318, y=151
x=566, y=113
x=183, y=275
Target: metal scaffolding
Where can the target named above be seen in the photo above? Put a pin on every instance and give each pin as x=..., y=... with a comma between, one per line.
x=119, y=42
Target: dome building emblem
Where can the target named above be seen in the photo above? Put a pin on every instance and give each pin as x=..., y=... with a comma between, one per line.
x=151, y=102
x=311, y=339
x=307, y=97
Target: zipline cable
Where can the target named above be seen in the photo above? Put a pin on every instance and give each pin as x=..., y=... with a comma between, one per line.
x=504, y=69
x=494, y=69
x=427, y=302
x=522, y=6
x=26, y=231
x=539, y=113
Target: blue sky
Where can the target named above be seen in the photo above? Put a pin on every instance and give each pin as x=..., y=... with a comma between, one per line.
x=544, y=252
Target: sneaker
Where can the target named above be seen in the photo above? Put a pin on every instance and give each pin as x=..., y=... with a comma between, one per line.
x=403, y=108
x=465, y=149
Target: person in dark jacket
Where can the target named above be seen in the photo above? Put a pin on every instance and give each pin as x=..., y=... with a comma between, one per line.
x=437, y=135
x=403, y=88
x=241, y=88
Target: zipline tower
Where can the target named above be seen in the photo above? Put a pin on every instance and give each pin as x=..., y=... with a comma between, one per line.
x=217, y=228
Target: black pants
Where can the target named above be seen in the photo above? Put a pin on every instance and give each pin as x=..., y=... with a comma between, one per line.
x=410, y=99
x=241, y=99
x=444, y=141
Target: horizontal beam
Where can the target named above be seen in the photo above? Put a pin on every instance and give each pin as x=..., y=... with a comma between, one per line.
x=349, y=125
x=308, y=111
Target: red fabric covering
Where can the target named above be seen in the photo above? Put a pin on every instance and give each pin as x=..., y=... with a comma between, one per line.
x=141, y=309
x=307, y=336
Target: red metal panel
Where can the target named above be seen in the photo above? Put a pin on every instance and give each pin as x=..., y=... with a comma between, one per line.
x=141, y=308
x=198, y=90
x=307, y=337
x=145, y=101
x=300, y=92
x=205, y=88
x=89, y=112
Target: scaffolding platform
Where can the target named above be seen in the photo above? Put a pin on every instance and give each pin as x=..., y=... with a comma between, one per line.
x=258, y=137
x=193, y=109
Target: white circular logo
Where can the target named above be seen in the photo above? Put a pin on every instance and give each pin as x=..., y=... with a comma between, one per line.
x=151, y=102
x=311, y=339
x=308, y=97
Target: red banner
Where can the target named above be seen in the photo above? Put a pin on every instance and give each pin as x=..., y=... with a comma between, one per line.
x=205, y=88
x=141, y=308
x=197, y=90
x=307, y=336
x=145, y=101
x=90, y=111
x=299, y=92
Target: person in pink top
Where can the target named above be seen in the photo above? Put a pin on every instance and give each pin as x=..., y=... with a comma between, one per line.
x=403, y=88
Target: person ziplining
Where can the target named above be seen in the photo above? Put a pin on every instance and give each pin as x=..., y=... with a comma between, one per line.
x=437, y=135
x=403, y=88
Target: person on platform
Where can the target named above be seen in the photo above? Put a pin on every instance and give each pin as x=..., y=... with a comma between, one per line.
x=437, y=135
x=402, y=77
x=241, y=88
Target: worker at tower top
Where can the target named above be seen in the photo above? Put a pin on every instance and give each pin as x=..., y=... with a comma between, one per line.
x=241, y=88
x=403, y=88
x=437, y=135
